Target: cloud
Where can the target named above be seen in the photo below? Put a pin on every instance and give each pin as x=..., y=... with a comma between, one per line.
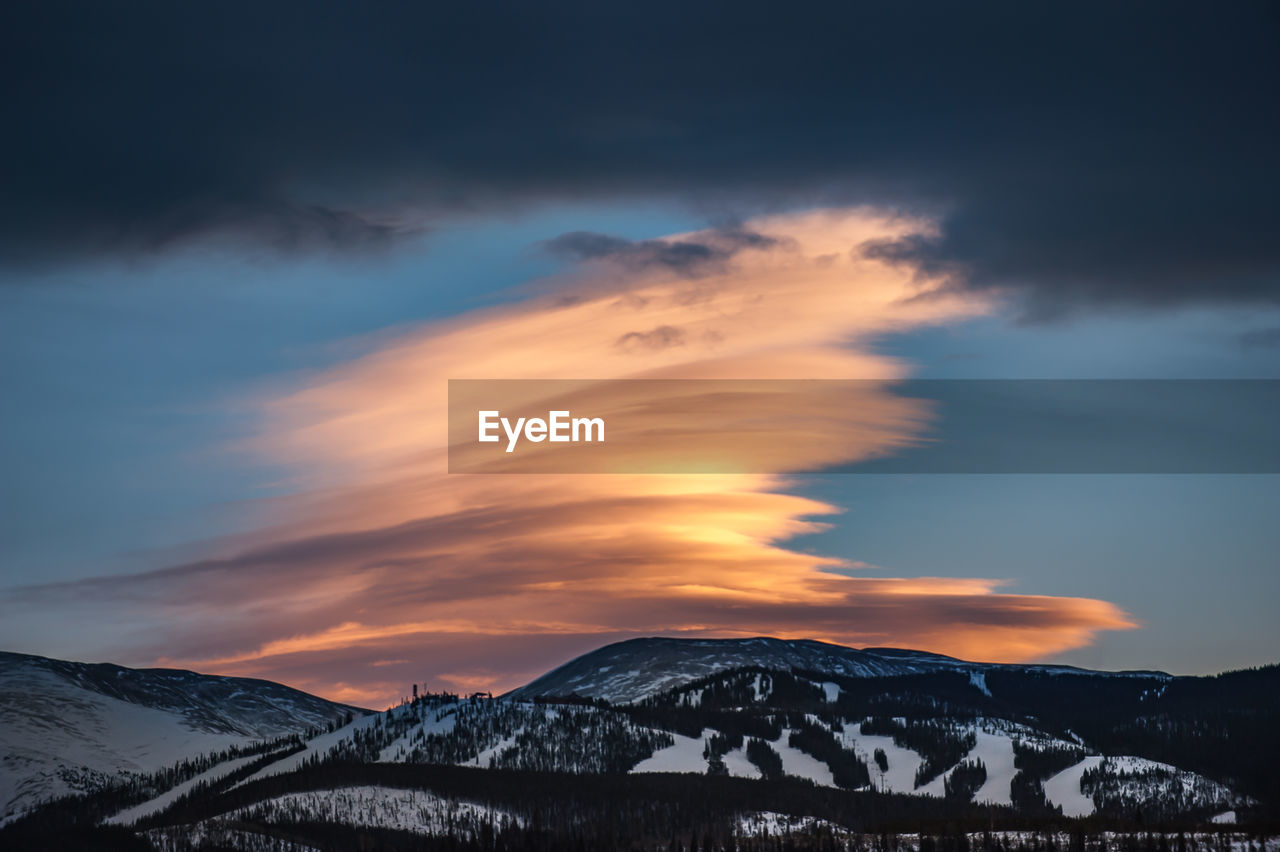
x=657, y=338
x=691, y=257
x=484, y=580
x=1260, y=338
x=1083, y=156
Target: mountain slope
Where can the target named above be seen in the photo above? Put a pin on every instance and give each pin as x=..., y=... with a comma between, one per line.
x=795, y=730
x=68, y=726
x=628, y=671
x=925, y=746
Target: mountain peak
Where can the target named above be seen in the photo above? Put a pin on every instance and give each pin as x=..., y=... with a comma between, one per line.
x=68, y=726
x=632, y=669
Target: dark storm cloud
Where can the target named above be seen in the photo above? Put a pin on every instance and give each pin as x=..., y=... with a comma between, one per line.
x=1088, y=154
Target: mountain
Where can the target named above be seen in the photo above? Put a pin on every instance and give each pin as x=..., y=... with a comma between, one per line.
x=731, y=742
x=637, y=668
x=68, y=726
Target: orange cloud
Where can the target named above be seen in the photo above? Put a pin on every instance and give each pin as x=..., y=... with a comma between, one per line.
x=387, y=564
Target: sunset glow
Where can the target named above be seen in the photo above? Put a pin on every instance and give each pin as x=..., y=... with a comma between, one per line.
x=382, y=555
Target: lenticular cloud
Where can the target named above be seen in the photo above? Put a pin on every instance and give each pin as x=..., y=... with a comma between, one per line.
x=383, y=568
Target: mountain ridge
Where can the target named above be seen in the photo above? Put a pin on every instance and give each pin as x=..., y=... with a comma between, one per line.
x=893, y=731
x=656, y=663
x=68, y=726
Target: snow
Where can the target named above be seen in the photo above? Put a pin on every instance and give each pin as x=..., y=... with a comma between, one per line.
x=128, y=816
x=802, y=765
x=1064, y=788
x=483, y=758
x=687, y=756
x=319, y=746
x=384, y=807
x=437, y=721
x=67, y=725
x=73, y=727
x=903, y=763
x=629, y=671
x=684, y=756
x=994, y=747
x=995, y=750
x=739, y=765
x=1138, y=764
x=1225, y=818
x=772, y=824
x=48, y=725
x=937, y=787
x=1146, y=778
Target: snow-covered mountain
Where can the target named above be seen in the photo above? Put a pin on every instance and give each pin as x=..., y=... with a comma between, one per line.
x=526, y=737
x=722, y=736
x=944, y=743
x=68, y=726
x=628, y=671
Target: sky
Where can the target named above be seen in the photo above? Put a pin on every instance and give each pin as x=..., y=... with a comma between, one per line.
x=244, y=251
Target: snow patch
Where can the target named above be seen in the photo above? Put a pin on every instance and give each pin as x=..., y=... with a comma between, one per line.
x=798, y=763
x=684, y=756
x=129, y=816
x=1064, y=788
x=384, y=807
x=995, y=750
x=900, y=777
